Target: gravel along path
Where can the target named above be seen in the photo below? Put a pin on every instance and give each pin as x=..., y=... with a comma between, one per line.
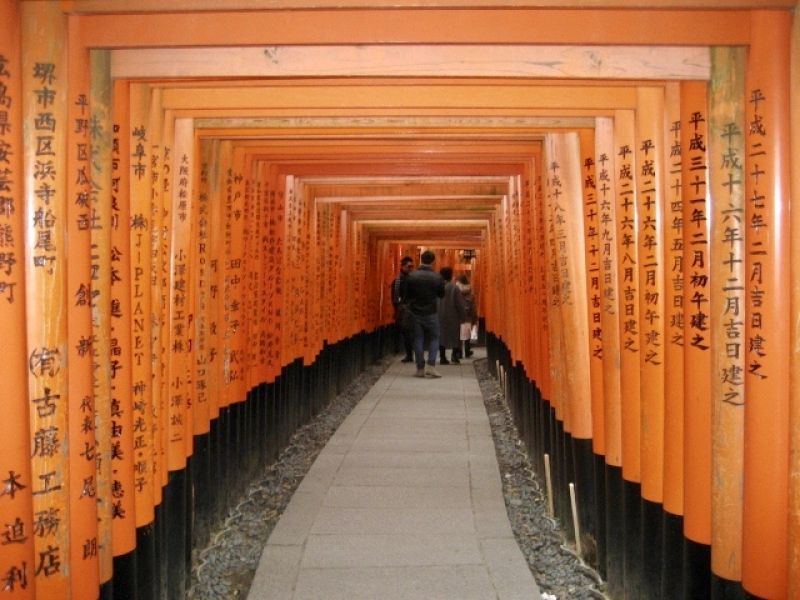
x=559, y=572
x=224, y=569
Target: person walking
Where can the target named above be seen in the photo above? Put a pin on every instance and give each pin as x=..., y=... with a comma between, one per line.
x=404, y=321
x=471, y=313
x=422, y=289
x=452, y=312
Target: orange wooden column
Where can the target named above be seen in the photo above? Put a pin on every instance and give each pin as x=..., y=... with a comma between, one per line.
x=17, y=534
x=180, y=307
x=650, y=166
x=100, y=210
x=84, y=559
x=611, y=545
x=766, y=441
x=606, y=193
x=124, y=429
x=141, y=308
x=236, y=273
x=714, y=466
x=43, y=205
x=540, y=282
x=216, y=283
x=628, y=277
x=201, y=413
x=555, y=330
x=111, y=313
x=794, y=414
x=674, y=312
x=594, y=286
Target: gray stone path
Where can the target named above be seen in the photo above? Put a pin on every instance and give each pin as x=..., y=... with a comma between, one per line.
x=404, y=502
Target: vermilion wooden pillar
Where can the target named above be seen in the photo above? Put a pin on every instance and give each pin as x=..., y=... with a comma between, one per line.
x=718, y=494
x=43, y=204
x=85, y=555
x=626, y=177
x=123, y=425
x=650, y=118
x=766, y=436
x=141, y=320
x=17, y=557
x=794, y=413
x=674, y=344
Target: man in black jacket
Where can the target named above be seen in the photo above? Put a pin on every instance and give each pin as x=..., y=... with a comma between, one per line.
x=402, y=316
x=423, y=288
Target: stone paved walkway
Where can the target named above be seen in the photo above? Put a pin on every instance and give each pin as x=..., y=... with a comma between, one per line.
x=404, y=502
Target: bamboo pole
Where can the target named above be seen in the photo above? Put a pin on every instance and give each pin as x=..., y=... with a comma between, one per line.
x=44, y=105
x=17, y=557
x=766, y=436
x=718, y=493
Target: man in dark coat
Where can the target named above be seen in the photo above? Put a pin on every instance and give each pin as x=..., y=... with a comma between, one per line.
x=403, y=319
x=452, y=312
x=423, y=288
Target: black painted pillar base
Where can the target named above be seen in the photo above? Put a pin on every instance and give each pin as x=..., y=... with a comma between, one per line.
x=725, y=589
x=598, y=561
x=632, y=510
x=124, y=576
x=652, y=548
x=146, y=565
x=696, y=570
x=615, y=538
x=175, y=509
x=106, y=591
x=672, y=556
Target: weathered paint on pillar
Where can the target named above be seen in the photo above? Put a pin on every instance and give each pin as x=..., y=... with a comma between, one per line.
x=100, y=210
x=153, y=139
x=568, y=206
x=203, y=306
x=794, y=412
x=123, y=429
x=556, y=339
x=650, y=213
x=674, y=284
x=235, y=273
x=594, y=286
x=721, y=490
x=44, y=105
x=606, y=192
x=766, y=436
x=180, y=311
x=84, y=558
x=17, y=535
x=628, y=278
x=141, y=294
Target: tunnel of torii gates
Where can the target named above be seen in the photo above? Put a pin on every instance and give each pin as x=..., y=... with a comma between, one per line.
x=201, y=212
